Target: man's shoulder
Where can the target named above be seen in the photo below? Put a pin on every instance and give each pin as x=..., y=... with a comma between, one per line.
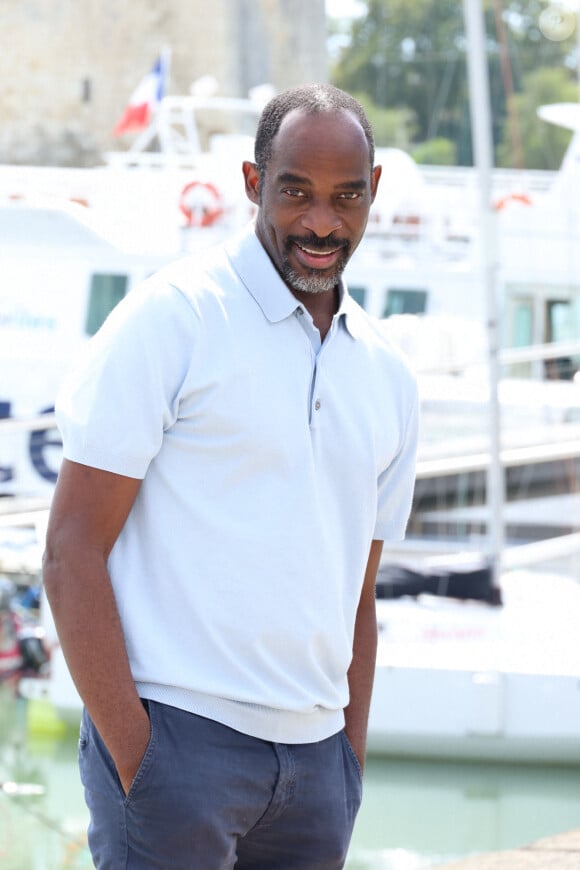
x=192, y=270
x=372, y=332
x=199, y=279
x=207, y=271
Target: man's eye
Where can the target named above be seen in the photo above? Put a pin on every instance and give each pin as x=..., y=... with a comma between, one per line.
x=349, y=194
x=293, y=191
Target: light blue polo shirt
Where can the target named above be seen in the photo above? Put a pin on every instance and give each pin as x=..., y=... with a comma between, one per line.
x=269, y=462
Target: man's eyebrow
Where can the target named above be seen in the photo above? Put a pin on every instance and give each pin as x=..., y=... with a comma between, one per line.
x=358, y=184
x=293, y=178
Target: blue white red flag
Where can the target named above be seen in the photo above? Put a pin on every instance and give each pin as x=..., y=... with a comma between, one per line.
x=144, y=99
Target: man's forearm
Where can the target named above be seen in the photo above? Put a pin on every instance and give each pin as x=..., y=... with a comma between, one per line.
x=91, y=637
x=361, y=673
x=89, y=509
x=360, y=679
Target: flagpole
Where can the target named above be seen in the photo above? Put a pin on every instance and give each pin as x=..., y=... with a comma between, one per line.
x=152, y=90
x=480, y=113
x=159, y=124
x=165, y=55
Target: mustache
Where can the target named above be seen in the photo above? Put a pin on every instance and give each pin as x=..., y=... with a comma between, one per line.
x=317, y=244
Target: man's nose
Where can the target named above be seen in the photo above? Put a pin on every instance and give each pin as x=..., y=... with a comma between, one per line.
x=321, y=219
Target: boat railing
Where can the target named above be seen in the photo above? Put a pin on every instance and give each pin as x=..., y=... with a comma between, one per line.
x=509, y=356
x=536, y=181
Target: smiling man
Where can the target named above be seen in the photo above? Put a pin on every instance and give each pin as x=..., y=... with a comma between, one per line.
x=238, y=443
x=314, y=182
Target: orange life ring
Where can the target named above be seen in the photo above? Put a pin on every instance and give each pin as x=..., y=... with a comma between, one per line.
x=201, y=203
x=522, y=198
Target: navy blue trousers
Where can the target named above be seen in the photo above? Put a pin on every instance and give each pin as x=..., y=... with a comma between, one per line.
x=207, y=797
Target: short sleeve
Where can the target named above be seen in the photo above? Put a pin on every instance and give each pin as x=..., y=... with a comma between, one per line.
x=123, y=392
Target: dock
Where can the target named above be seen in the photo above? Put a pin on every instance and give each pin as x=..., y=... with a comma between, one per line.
x=560, y=852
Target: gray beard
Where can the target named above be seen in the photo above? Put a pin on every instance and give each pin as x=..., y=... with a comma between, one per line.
x=315, y=283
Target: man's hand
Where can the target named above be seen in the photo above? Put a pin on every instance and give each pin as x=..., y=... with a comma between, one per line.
x=129, y=758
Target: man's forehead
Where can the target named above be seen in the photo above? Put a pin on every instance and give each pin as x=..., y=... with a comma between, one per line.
x=300, y=123
x=305, y=117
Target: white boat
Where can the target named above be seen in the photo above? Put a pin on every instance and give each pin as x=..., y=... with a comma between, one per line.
x=457, y=677
x=454, y=679
x=467, y=679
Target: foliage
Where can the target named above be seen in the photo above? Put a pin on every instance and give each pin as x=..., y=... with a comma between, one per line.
x=543, y=144
x=411, y=55
x=436, y=152
x=394, y=128
x=404, y=54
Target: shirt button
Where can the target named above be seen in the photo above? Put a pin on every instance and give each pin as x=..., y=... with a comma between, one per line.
x=299, y=312
x=317, y=405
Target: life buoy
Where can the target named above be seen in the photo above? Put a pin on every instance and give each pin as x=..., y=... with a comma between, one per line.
x=201, y=203
x=522, y=198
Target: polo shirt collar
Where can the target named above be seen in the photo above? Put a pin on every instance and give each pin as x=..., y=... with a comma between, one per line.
x=354, y=316
x=263, y=282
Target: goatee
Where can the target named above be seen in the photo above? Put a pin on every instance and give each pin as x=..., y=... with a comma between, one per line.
x=317, y=282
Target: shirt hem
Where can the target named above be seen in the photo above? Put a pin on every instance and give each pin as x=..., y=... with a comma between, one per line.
x=265, y=723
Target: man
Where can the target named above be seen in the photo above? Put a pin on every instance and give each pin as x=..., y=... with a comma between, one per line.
x=238, y=444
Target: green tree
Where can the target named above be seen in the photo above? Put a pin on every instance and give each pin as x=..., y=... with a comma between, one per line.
x=392, y=127
x=411, y=54
x=543, y=144
x=437, y=152
x=407, y=55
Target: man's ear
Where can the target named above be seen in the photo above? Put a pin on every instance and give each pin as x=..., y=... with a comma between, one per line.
x=252, y=181
x=375, y=178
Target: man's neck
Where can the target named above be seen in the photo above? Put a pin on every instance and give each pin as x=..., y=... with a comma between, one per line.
x=321, y=306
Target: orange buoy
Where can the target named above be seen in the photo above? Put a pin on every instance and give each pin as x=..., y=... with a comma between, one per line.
x=201, y=203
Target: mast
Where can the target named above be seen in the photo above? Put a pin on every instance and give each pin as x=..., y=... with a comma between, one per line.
x=480, y=113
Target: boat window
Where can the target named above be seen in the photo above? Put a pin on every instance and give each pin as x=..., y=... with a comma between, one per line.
x=562, y=323
x=105, y=292
x=405, y=302
x=523, y=323
x=358, y=294
x=518, y=325
x=518, y=331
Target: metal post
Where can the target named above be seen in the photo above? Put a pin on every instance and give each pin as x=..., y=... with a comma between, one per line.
x=480, y=113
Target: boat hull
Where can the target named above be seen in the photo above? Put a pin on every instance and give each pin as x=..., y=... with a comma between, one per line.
x=475, y=715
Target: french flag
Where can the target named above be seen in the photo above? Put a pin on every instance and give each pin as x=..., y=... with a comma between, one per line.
x=144, y=99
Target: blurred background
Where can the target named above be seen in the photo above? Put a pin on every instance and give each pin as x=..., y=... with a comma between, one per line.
x=122, y=131
x=69, y=68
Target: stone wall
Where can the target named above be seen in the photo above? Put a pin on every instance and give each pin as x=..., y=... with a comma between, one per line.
x=68, y=67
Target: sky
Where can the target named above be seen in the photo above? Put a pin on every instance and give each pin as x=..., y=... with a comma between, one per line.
x=343, y=8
